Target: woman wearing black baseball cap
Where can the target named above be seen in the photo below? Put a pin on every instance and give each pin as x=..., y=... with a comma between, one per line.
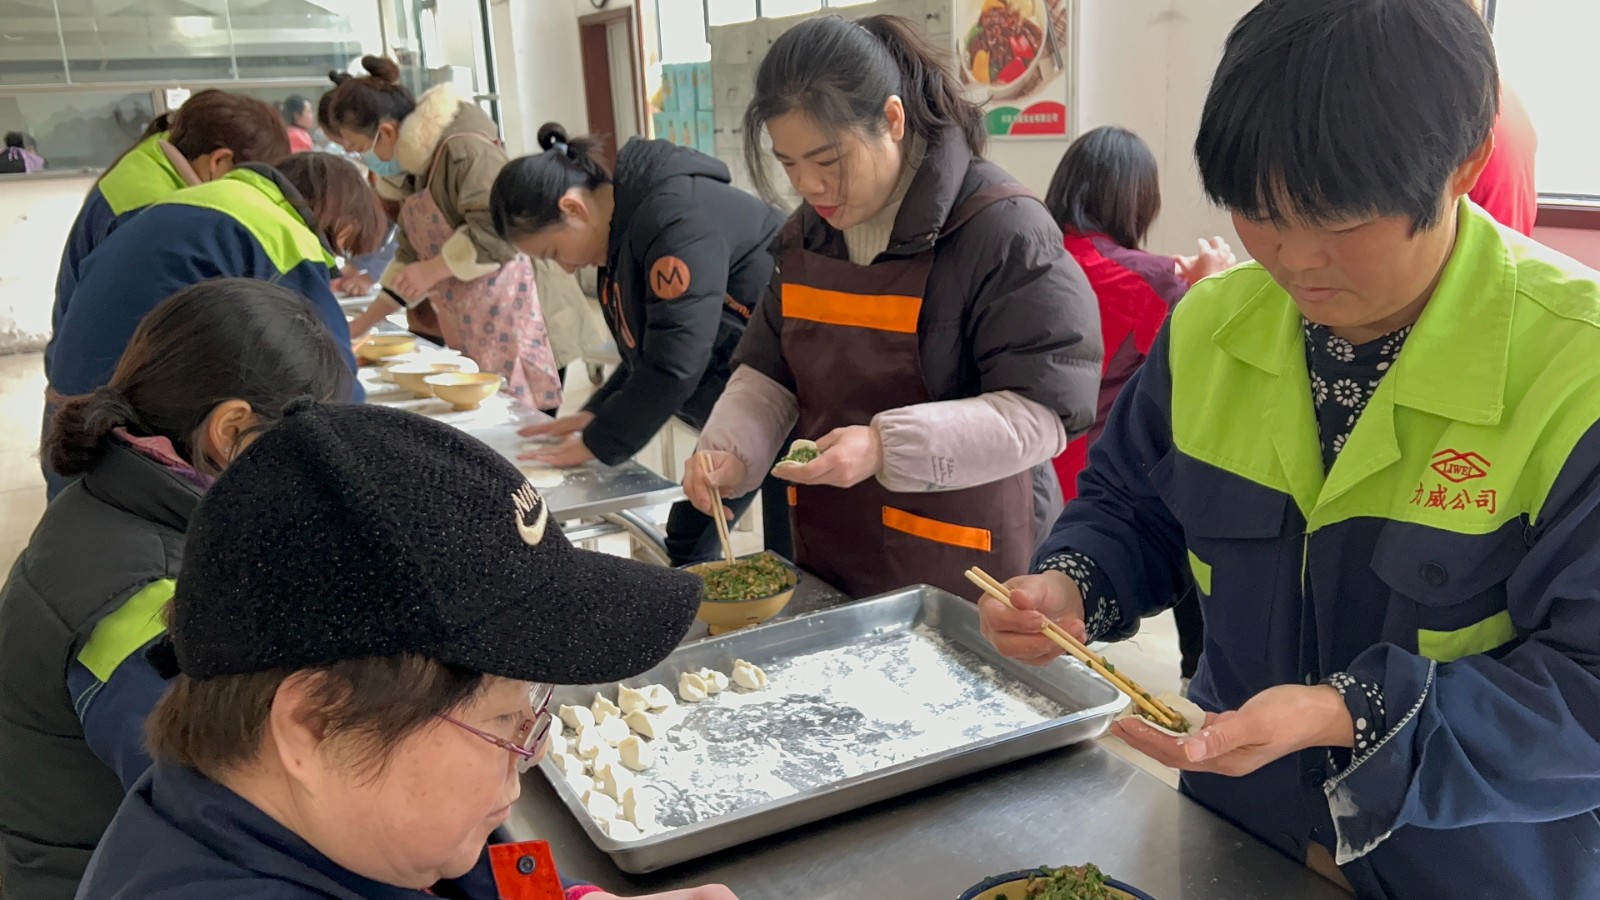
x=361, y=669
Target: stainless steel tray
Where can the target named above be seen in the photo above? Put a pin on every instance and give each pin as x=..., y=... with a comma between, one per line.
x=843, y=723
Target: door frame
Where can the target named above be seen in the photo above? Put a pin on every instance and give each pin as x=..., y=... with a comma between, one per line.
x=594, y=52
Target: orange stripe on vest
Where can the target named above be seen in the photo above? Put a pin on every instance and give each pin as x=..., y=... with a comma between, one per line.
x=879, y=312
x=937, y=531
x=525, y=871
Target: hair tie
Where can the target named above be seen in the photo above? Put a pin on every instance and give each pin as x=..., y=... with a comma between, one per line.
x=562, y=148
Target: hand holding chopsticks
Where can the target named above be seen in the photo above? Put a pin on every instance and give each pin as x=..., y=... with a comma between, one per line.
x=720, y=518
x=1152, y=707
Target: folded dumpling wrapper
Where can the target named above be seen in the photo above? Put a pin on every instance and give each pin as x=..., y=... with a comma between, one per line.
x=796, y=447
x=1183, y=706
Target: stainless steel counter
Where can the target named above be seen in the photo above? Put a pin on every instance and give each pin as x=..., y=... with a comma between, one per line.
x=1081, y=804
x=613, y=493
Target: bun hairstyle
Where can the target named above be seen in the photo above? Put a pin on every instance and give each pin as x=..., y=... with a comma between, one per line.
x=338, y=199
x=527, y=193
x=841, y=73
x=217, y=120
x=224, y=339
x=362, y=103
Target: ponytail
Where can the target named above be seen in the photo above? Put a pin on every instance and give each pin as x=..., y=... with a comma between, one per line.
x=841, y=73
x=223, y=339
x=527, y=193
x=79, y=433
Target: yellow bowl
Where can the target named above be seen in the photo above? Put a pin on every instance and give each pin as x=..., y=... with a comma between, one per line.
x=1011, y=886
x=728, y=615
x=414, y=376
x=383, y=346
x=464, y=390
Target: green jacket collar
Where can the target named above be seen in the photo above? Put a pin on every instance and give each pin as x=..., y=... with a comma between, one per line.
x=1454, y=361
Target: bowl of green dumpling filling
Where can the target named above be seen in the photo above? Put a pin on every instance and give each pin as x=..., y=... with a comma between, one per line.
x=1085, y=882
x=747, y=591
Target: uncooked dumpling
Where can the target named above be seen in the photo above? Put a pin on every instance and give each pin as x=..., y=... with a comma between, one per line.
x=632, y=701
x=604, y=709
x=589, y=743
x=691, y=687
x=612, y=779
x=636, y=808
x=607, y=755
x=577, y=717
x=643, y=723
x=660, y=697
x=636, y=754
x=581, y=783
x=716, y=682
x=622, y=830
x=600, y=806
x=749, y=676
x=1191, y=713
x=613, y=730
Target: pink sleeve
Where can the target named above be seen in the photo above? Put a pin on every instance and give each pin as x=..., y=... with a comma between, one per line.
x=954, y=444
x=583, y=890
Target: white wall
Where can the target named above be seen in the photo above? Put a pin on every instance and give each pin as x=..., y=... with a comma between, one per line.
x=35, y=215
x=540, y=67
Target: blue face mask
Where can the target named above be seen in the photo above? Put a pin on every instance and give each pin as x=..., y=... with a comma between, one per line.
x=383, y=168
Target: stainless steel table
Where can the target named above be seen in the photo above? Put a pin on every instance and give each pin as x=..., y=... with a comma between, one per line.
x=593, y=502
x=1082, y=804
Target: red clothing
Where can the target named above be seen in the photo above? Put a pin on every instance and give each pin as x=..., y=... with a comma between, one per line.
x=1136, y=290
x=1506, y=189
x=300, y=140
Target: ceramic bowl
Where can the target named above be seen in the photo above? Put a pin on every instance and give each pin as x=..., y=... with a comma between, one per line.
x=464, y=390
x=1010, y=886
x=414, y=376
x=728, y=615
x=383, y=346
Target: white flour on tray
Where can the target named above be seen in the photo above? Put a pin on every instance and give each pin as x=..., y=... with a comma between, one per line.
x=832, y=715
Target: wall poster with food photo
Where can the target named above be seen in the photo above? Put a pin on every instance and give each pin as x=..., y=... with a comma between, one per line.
x=1017, y=56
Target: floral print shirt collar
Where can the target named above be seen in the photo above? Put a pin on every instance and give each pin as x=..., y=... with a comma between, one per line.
x=1343, y=379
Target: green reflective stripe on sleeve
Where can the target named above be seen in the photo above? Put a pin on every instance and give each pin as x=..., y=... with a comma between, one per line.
x=1202, y=573
x=256, y=203
x=1479, y=637
x=121, y=634
x=140, y=178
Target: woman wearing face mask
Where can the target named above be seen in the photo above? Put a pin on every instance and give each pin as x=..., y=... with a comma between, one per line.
x=205, y=372
x=299, y=758
x=440, y=153
x=927, y=329
x=283, y=224
x=684, y=259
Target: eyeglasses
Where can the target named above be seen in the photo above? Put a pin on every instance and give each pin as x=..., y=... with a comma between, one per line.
x=530, y=735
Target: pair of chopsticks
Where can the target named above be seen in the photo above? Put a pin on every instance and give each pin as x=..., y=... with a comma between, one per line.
x=722, y=522
x=1157, y=710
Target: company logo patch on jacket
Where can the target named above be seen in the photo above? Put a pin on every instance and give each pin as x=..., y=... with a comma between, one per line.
x=1457, y=466
x=669, y=278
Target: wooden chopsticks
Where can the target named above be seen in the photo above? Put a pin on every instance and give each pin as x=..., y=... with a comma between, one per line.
x=1157, y=710
x=722, y=522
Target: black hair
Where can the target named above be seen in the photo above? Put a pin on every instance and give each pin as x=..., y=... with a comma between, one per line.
x=1106, y=184
x=219, y=340
x=1325, y=110
x=16, y=139
x=528, y=191
x=294, y=107
x=841, y=73
x=362, y=104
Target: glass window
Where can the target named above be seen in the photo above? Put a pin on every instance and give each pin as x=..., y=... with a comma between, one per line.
x=778, y=9
x=30, y=44
x=79, y=129
x=1544, y=51
x=729, y=12
x=143, y=41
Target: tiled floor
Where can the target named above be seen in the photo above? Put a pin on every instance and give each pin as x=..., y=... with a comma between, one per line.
x=1151, y=658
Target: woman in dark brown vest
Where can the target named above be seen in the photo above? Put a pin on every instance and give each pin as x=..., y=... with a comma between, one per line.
x=926, y=328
